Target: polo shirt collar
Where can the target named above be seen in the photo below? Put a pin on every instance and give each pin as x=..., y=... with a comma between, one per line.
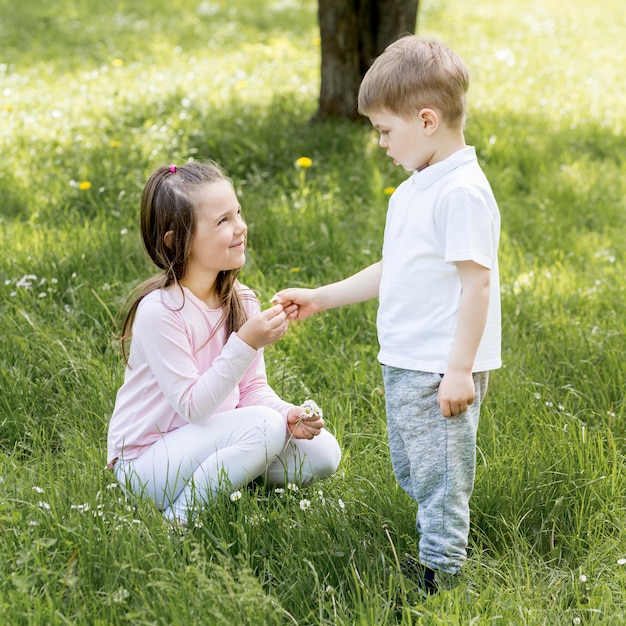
x=433, y=173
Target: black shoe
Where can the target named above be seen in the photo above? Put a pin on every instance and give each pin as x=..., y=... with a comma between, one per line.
x=423, y=576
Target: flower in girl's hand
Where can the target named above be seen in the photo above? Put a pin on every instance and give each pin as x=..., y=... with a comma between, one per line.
x=311, y=410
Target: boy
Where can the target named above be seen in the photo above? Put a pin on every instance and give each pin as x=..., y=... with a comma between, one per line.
x=438, y=287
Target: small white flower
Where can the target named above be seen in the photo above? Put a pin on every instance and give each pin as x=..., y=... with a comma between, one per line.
x=26, y=281
x=33, y=522
x=120, y=595
x=37, y=489
x=577, y=621
x=43, y=505
x=305, y=504
x=235, y=495
x=292, y=487
x=311, y=410
x=341, y=504
x=81, y=507
x=621, y=561
x=279, y=491
x=582, y=578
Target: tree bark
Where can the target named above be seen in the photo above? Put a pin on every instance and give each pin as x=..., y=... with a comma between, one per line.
x=353, y=34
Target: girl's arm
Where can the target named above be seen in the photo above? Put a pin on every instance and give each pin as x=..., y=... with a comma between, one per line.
x=163, y=346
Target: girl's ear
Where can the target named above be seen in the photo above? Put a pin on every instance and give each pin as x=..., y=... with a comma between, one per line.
x=167, y=239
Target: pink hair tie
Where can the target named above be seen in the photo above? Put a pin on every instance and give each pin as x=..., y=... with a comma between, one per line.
x=173, y=169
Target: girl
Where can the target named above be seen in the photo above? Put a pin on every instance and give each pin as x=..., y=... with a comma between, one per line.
x=195, y=413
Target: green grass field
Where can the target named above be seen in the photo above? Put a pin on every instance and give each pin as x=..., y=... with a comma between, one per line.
x=93, y=96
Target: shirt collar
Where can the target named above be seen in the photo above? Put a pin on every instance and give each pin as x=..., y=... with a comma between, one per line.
x=431, y=174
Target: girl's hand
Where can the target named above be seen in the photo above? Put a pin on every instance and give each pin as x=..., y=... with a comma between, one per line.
x=264, y=328
x=301, y=428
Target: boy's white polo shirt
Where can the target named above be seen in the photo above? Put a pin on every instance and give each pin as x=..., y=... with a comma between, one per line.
x=443, y=214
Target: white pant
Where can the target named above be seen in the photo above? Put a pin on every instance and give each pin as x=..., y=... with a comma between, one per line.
x=190, y=464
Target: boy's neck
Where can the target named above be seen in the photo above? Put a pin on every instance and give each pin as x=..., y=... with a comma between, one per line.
x=450, y=141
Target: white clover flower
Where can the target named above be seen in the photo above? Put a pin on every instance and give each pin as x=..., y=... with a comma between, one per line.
x=311, y=410
x=305, y=504
x=235, y=495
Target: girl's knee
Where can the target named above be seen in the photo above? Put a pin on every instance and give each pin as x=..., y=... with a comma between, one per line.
x=274, y=428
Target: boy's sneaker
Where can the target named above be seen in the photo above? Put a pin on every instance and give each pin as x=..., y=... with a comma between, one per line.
x=429, y=581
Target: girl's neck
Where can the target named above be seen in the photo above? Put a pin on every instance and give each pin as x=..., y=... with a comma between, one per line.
x=203, y=290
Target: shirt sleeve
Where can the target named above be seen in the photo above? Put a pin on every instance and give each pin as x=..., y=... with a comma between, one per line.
x=159, y=334
x=467, y=227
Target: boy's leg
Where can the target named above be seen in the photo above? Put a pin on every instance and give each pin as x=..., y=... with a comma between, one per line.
x=441, y=454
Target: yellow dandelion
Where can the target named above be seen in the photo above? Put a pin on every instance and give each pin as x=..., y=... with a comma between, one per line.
x=316, y=41
x=294, y=270
x=117, y=62
x=84, y=185
x=114, y=144
x=304, y=162
x=388, y=190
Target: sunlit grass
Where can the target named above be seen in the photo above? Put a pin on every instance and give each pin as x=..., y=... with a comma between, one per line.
x=92, y=97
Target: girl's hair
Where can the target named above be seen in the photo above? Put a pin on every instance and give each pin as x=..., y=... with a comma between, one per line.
x=168, y=203
x=415, y=73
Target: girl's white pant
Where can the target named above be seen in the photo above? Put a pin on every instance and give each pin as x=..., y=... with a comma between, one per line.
x=191, y=464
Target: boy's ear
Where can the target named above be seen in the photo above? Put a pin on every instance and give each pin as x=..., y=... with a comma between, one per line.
x=167, y=239
x=429, y=120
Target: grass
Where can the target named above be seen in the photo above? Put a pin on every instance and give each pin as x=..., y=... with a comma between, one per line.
x=101, y=93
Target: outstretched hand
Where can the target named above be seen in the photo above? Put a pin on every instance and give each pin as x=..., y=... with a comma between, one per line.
x=297, y=303
x=265, y=327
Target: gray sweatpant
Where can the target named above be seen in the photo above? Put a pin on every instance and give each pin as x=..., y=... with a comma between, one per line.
x=434, y=460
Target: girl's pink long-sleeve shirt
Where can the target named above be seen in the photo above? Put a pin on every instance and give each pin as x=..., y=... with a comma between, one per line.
x=175, y=375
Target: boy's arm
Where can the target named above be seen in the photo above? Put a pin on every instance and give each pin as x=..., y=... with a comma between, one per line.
x=456, y=390
x=301, y=303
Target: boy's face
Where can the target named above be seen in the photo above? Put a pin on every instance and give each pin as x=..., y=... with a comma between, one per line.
x=407, y=140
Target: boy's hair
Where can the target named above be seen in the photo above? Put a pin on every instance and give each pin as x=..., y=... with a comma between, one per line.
x=168, y=205
x=414, y=73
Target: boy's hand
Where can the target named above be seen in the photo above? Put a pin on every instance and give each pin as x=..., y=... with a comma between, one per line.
x=264, y=328
x=456, y=392
x=303, y=428
x=297, y=303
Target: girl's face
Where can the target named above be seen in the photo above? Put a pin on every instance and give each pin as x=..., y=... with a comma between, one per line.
x=219, y=242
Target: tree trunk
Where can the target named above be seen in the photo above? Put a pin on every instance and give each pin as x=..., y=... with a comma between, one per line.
x=353, y=34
